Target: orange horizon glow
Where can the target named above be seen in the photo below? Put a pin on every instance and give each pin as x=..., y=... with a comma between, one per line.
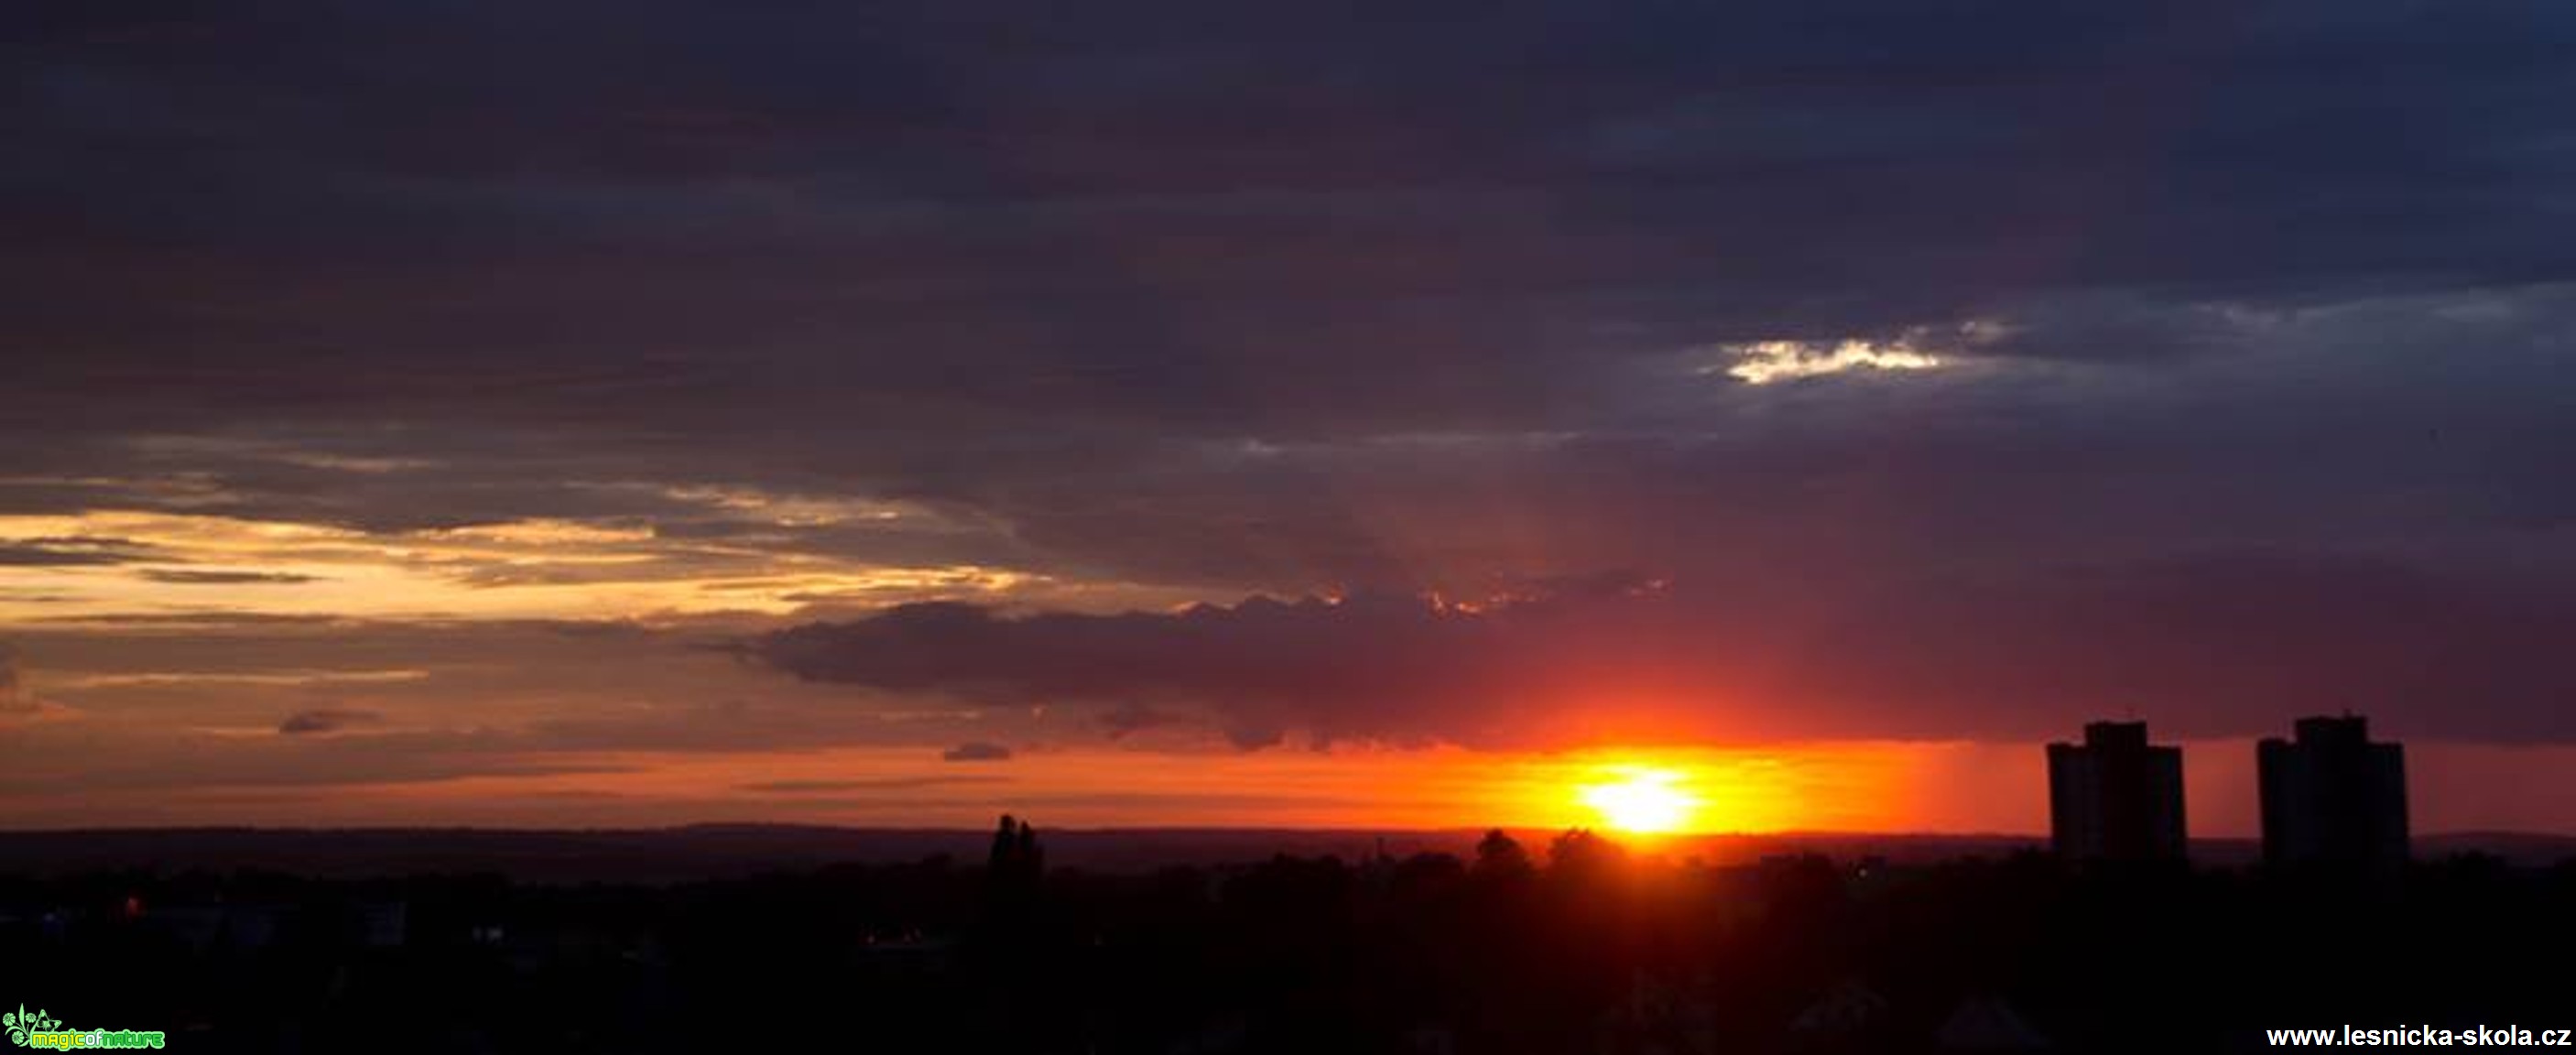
x=1643, y=793
x=1948, y=787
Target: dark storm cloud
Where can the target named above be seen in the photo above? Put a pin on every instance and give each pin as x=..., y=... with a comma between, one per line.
x=1452, y=219
x=1254, y=661
x=1145, y=211
x=2223, y=644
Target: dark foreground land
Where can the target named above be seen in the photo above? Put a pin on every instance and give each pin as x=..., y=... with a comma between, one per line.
x=1569, y=945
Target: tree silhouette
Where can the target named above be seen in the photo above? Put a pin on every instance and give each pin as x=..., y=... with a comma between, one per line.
x=1016, y=862
x=1005, y=846
x=1498, y=855
x=1032, y=859
x=1579, y=856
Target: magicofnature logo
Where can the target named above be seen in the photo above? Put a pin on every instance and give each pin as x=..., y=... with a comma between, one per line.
x=38, y=1029
x=21, y=1023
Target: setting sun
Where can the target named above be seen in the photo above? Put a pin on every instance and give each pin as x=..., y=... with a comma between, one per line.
x=1642, y=801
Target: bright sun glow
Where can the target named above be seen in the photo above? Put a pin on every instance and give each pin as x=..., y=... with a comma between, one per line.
x=1642, y=801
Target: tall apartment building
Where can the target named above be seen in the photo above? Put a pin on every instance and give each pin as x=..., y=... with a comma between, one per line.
x=2332, y=797
x=2115, y=797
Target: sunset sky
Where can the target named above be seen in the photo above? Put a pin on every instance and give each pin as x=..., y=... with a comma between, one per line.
x=1164, y=413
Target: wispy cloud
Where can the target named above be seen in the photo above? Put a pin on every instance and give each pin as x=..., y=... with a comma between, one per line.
x=1763, y=362
x=976, y=751
x=72, y=551
x=821, y=787
x=197, y=577
x=257, y=677
x=326, y=720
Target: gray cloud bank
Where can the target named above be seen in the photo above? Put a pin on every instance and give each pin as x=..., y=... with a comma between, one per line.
x=2217, y=646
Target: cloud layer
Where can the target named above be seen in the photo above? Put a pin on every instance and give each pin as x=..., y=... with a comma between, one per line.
x=2219, y=646
x=1720, y=372
x=15, y=696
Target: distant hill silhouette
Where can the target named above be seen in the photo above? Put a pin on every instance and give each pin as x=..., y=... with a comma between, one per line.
x=725, y=850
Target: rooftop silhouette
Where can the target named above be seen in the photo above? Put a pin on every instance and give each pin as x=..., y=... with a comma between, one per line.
x=2332, y=797
x=2115, y=797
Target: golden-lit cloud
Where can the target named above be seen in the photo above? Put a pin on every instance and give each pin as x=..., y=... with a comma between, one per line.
x=1763, y=362
x=789, y=510
x=294, y=678
x=129, y=562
